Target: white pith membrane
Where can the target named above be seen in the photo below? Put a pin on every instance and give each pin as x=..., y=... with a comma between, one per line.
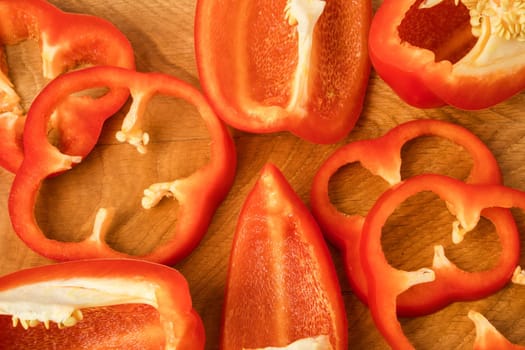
x=61, y=301
x=131, y=130
x=460, y=227
x=303, y=14
x=10, y=102
x=132, y=133
x=482, y=325
x=320, y=342
x=518, y=277
x=499, y=26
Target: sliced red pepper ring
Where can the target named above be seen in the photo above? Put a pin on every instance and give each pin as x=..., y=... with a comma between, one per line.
x=382, y=157
x=67, y=41
x=104, y=303
x=198, y=195
x=292, y=65
x=469, y=201
x=468, y=54
x=281, y=286
x=487, y=336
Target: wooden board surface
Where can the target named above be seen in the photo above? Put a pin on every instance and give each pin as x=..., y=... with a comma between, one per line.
x=161, y=33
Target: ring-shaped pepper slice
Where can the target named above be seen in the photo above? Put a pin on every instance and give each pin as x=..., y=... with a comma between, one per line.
x=382, y=157
x=198, y=195
x=67, y=41
x=106, y=303
x=385, y=282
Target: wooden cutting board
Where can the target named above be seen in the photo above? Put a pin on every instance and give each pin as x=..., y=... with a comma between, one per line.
x=161, y=33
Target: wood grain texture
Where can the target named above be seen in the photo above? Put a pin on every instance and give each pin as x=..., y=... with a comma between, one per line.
x=162, y=34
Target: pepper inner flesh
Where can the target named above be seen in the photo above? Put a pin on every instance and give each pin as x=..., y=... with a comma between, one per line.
x=444, y=29
x=281, y=52
x=467, y=33
x=129, y=326
x=80, y=313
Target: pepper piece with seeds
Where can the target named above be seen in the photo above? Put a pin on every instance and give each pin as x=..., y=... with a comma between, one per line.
x=465, y=53
x=102, y=304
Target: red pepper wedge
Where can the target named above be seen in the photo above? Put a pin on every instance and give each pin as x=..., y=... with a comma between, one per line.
x=198, y=194
x=98, y=304
x=434, y=52
x=67, y=41
x=382, y=157
x=385, y=282
x=291, y=65
x=487, y=336
x=281, y=285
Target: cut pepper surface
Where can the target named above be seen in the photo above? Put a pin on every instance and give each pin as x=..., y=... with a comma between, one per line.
x=67, y=41
x=288, y=65
x=382, y=157
x=466, y=53
x=282, y=288
x=98, y=304
x=385, y=282
x=198, y=195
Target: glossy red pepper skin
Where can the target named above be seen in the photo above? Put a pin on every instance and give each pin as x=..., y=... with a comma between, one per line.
x=385, y=282
x=281, y=284
x=418, y=51
x=247, y=53
x=198, y=195
x=179, y=325
x=67, y=41
x=382, y=157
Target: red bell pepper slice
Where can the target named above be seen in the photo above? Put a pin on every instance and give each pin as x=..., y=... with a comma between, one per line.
x=67, y=41
x=198, y=195
x=385, y=282
x=98, y=304
x=298, y=65
x=281, y=286
x=382, y=157
x=487, y=336
x=434, y=52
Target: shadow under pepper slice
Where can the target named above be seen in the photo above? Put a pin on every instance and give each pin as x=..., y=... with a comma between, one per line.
x=288, y=65
x=198, y=194
x=67, y=41
x=382, y=157
x=385, y=282
x=281, y=286
x=112, y=303
x=468, y=54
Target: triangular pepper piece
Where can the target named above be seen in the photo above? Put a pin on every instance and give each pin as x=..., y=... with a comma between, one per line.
x=282, y=285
